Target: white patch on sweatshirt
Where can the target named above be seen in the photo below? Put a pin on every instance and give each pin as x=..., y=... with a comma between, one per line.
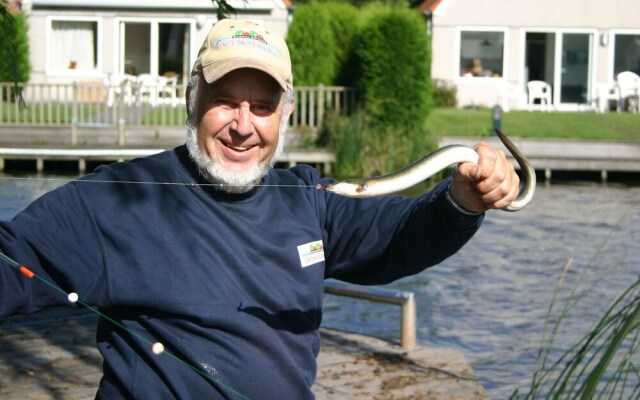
x=311, y=253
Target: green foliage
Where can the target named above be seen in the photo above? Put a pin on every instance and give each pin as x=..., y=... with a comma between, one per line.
x=383, y=50
x=345, y=25
x=363, y=149
x=223, y=9
x=602, y=364
x=320, y=39
x=394, y=59
x=444, y=95
x=14, y=47
x=312, y=46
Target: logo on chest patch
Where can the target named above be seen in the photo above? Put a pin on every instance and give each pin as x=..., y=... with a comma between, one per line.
x=311, y=253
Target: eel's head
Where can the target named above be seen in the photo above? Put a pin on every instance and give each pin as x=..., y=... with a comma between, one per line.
x=346, y=188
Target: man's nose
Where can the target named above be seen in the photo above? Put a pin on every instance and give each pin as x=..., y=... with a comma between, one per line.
x=243, y=122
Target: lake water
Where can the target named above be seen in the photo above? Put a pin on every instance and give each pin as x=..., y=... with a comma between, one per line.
x=490, y=300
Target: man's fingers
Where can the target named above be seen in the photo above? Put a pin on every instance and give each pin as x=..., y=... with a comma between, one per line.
x=469, y=171
x=503, y=194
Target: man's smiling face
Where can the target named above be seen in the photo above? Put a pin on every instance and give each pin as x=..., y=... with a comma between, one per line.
x=240, y=121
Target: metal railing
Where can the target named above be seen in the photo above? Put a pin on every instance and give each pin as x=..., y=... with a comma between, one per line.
x=101, y=105
x=383, y=295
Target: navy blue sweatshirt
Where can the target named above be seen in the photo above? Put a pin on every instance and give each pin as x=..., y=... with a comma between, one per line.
x=231, y=284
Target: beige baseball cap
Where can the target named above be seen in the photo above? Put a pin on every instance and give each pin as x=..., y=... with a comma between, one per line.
x=233, y=44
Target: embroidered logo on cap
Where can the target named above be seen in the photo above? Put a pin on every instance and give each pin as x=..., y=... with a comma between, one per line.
x=311, y=253
x=247, y=38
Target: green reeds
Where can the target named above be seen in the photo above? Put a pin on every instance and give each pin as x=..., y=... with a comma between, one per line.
x=601, y=364
x=604, y=363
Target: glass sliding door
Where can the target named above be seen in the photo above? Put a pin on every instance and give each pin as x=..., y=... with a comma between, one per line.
x=627, y=54
x=173, y=51
x=575, y=68
x=136, y=50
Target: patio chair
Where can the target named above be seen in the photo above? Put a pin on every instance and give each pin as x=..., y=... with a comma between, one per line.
x=119, y=87
x=539, y=91
x=167, y=90
x=607, y=94
x=628, y=84
x=147, y=89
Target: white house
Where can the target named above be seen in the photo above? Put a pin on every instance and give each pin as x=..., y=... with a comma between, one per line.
x=488, y=49
x=491, y=49
x=87, y=40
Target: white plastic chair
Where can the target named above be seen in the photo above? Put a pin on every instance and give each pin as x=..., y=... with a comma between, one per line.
x=167, y=90
x=119, y=86
x=628, y=84
x=541, y=91
x=607, y=93
x=147, y=89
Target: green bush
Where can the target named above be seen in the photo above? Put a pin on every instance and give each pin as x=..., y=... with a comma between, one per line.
x=312, y=46
x=320, y=39
x=444, y=95
x=345, y=24
x=395, y=68
x=14, y=47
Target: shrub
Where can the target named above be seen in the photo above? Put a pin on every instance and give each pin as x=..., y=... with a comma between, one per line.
x=345, y=24
x=394, y=68
x=312, y=46
x=444, y=95
x=14, y=47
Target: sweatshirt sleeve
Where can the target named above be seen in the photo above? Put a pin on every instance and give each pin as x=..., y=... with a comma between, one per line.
x=379, y=240
x=54, y=238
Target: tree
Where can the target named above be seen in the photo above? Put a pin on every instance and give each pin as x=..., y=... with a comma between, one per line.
x=14, y=47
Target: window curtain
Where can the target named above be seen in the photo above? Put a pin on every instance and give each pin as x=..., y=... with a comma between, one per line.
x=73, y=45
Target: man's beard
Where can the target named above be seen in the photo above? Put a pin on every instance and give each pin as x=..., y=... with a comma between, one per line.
x=226, y=180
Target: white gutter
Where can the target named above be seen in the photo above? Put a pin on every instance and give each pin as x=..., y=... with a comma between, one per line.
x=153, y=4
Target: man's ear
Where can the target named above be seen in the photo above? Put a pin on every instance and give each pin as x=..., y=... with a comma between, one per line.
x=289, y=108
x=187, y=96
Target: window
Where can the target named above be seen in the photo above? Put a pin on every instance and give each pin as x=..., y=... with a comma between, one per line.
x=74, y=45
x=481, y=53
x=627, y=54
x=156, y=48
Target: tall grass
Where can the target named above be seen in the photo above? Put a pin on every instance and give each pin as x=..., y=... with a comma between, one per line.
x=602, y=364
x=605, y=362
x=363, y=149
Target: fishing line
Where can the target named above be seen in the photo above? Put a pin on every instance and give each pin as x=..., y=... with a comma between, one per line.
x=191, y=184
x=156, y=347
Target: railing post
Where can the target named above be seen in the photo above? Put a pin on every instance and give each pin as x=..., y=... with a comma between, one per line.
x=74, y=114
x=383, y=295
x=320, y=106
x=408, y=335
x=120, y=118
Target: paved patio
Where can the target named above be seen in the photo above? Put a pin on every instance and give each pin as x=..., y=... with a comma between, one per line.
x=51, y=356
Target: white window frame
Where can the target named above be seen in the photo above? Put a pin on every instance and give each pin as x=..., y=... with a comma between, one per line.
x=154, y=23
x=77, y=72
x=458, y=48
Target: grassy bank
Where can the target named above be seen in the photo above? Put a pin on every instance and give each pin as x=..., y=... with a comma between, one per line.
x=574, y=125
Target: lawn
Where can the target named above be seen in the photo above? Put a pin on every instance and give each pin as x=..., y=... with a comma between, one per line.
x=575, y=125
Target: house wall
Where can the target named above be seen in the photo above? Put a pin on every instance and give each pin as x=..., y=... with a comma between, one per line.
x=198, y=14
x=515, y=18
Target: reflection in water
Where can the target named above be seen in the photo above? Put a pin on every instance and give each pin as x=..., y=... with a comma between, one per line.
x=490, y=299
